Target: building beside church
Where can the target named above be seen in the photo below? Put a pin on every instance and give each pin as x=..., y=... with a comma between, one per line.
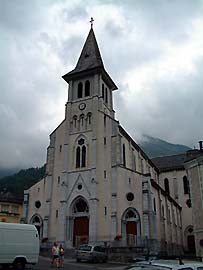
x=10, y=208
x=100, y=186
x=194, y=167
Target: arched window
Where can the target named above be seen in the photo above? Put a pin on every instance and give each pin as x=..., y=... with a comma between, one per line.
x=81, y=154
x=102, y=90
x=87, y=88
x=80, y=88
x=82, y=119
x=166, y=185
x=89, y=118
x=78, y=157
x=185, y=185
x=124, y=160
x=106, y=95
x=80, y=206
x=75, y=121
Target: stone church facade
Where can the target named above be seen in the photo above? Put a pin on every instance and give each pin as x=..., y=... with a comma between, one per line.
x=100, y=187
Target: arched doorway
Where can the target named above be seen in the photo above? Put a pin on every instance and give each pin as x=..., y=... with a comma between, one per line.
x=131, y=227
x=37, y=221
x=80, y=212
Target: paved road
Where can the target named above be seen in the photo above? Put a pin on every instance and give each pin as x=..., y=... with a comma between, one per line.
x=45, y=264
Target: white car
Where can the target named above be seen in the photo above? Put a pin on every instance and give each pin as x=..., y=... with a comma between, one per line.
x=166, y=265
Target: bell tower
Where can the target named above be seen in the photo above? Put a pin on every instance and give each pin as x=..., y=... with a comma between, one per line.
x=89, y=79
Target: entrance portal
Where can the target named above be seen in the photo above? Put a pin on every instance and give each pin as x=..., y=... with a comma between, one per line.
x=81, y=231
x=81, y=222
x=131, y=227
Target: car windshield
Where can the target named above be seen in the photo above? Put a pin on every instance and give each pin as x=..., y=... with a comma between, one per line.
x=85, y=248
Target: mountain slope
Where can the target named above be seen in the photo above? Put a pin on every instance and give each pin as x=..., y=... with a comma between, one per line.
x=17, y=183
x=155, y=147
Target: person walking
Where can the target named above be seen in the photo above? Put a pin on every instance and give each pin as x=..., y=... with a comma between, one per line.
x=61, y=256
x=55, y=255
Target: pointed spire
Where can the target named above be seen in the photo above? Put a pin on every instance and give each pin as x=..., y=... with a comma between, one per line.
x=90, y=56
x=89, y=61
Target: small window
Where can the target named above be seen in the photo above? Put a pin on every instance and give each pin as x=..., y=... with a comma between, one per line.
x=185, y=185
x=80, y=89
x=5, y=208
x=60, y=147
x=102, y=90
x=104, y=174
x=106, y=95
x=78, y=157
x=130, y=196
x=154, y=205
x=59, y=179
x=105, y=210
x=82, y=119
x=124, y=160
x=89, y=118
x=105, y=120
x=87, y=88
x=14, y=209
x=57, y=213
x=75, y=120
x=104, y=140
x=166, y=185
x=83, y=156
x=38, y=204
x=129, y=180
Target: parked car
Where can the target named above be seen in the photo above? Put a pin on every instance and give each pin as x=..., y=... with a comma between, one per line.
x=91, y=253
x=166, y=265
x=19, y=245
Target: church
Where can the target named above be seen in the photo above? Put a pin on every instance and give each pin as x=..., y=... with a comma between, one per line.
x=100, y=186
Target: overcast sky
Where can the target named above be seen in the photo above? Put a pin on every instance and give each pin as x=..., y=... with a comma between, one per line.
x=153, y=50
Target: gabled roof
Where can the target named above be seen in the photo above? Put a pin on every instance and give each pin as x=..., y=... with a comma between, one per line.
x=174, y=162
x=90, y=61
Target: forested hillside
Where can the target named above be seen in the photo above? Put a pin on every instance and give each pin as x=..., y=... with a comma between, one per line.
x=21, y=181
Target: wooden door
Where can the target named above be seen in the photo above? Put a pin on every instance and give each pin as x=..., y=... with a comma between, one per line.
x=131, y=232
x=81, y=231
x=131, y=227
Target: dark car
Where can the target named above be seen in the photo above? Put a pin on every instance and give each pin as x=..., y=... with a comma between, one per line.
x=91, y=253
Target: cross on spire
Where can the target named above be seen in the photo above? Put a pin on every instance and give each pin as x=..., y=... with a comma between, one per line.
x=91, y=22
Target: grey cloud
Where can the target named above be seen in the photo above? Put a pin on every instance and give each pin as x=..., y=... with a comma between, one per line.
x=75, y=13
x=175, y=116
x=21, y=16
x=32, y=89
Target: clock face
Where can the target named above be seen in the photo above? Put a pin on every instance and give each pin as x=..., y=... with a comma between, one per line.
x=82, y=106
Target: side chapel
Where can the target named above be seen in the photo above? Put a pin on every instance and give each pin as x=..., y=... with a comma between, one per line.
x=100, y=186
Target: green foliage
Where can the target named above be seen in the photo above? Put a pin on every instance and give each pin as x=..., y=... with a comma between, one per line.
x=24, y=179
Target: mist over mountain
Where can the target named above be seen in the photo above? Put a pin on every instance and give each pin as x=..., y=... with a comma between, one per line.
x=155, y=147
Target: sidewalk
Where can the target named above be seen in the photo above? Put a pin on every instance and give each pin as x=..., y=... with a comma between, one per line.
x=117, y=265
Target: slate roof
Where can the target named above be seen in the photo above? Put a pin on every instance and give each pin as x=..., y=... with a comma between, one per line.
x=90, y=60
x=174, y=162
